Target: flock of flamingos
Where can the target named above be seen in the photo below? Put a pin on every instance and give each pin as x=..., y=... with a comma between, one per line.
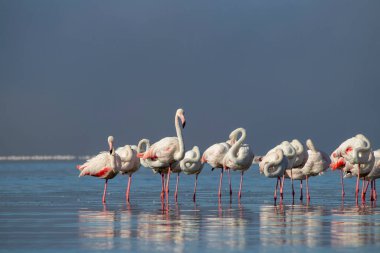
x=354, y=157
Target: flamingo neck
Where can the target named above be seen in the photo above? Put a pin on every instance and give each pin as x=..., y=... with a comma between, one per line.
x=181, y=152
x=190, y=162
x=129, y=152
x=235, y=148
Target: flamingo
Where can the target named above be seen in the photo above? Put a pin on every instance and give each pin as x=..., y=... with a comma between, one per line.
x=169, y=149
x=155, y=165
x=130, y=163
x=189, y=165
x=290, y=153
x=365, y=169
x=315, y=162
x=214, y=156
x=105, y=165
x=239, y=156
x=356, y=150
x=273, y=165
x=374, y=174
x=300, y=159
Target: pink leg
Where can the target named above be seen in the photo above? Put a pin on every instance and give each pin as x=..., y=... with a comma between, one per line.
x=229, y=180
x=176, y=189
x=282, y=187
x=167, y=182
x=241, y=184
x=374, y=190
x=220, y=184
x=291, y=178
x=341, y=181
x=128, y=188
x=307, y=189
x=105, y=191
x=195, y=187
x=163, y=186
x=357, y=186
x=364, y=192
x=275, y=191
x=301, y=196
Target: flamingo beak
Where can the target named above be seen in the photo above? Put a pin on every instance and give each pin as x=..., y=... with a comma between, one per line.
x=183, y=120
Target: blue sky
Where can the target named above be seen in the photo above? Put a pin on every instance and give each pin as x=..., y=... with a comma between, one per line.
x=74, y=72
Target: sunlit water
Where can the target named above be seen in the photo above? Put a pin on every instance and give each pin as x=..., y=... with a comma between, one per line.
x=46, y=207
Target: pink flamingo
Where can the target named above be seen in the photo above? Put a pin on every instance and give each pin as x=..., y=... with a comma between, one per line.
x=214, y=156
x=356, y=150
x=169, y=149
x=239, y=156
x=273, y=165
x=106, y=165
x=189, y=165
x=130, y=163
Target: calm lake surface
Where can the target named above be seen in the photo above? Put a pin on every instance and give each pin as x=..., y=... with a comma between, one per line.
x=45, y=207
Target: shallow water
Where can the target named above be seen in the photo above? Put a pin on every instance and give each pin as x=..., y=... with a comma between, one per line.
x=46, y=207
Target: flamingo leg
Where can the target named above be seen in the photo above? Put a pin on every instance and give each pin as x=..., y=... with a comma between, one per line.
x=301, y=195
x=167, y=181
x=364, y=192
x=220, y=184
x=163, y=186
x=128, y=188
x=357, y=186
x=105, y=191
x=275, y=191
x=282, y=187
x=241, y=184
x=374, y=190
x=341, y=181
x=195, y=187
x=291, y=178
x=176, y=189
x=307, y=189
x=229, y=180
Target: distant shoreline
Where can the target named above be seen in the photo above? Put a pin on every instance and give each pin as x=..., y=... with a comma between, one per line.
x=44, y=158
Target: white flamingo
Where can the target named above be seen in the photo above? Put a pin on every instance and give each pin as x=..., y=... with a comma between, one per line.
x=356, y=150
x=130, y=163
x=239, y=156
x=106, y=165
x=315, y=162
x=214, y=156
x=169, y=149
x=273, y=165
x=374, y=174
x=290, y=153
x=300, y=159
x=154, y=165
x=189, y=165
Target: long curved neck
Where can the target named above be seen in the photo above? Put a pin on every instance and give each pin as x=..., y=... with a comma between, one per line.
x=189, y=163
x=235, y=148
x=113, y=161
x=181, y=152
x=129, y=153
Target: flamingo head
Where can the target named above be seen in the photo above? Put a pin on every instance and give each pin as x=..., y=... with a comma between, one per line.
x=110, y=143
x=180, y=114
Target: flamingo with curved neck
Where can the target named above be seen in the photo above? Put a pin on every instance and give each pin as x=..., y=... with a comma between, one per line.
x=168, y=150
x=239, y=157
x=214, y=156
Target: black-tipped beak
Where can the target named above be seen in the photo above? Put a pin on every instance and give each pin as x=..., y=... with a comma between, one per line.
x=184, y=124
x=110, y=151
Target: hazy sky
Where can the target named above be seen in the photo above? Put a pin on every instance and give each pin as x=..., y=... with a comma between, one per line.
x=74, y=72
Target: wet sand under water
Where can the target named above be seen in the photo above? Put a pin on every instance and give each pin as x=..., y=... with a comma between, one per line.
x=45, y=207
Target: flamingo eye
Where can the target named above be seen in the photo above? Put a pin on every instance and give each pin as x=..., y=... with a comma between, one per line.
x=349, y=149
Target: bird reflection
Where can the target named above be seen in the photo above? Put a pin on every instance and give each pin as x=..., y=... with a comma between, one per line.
x=227, y=230
x=354, y=226
x=97, y=228
x=291, y=225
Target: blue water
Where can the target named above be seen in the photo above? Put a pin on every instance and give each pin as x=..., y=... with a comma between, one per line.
x=45, y=207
